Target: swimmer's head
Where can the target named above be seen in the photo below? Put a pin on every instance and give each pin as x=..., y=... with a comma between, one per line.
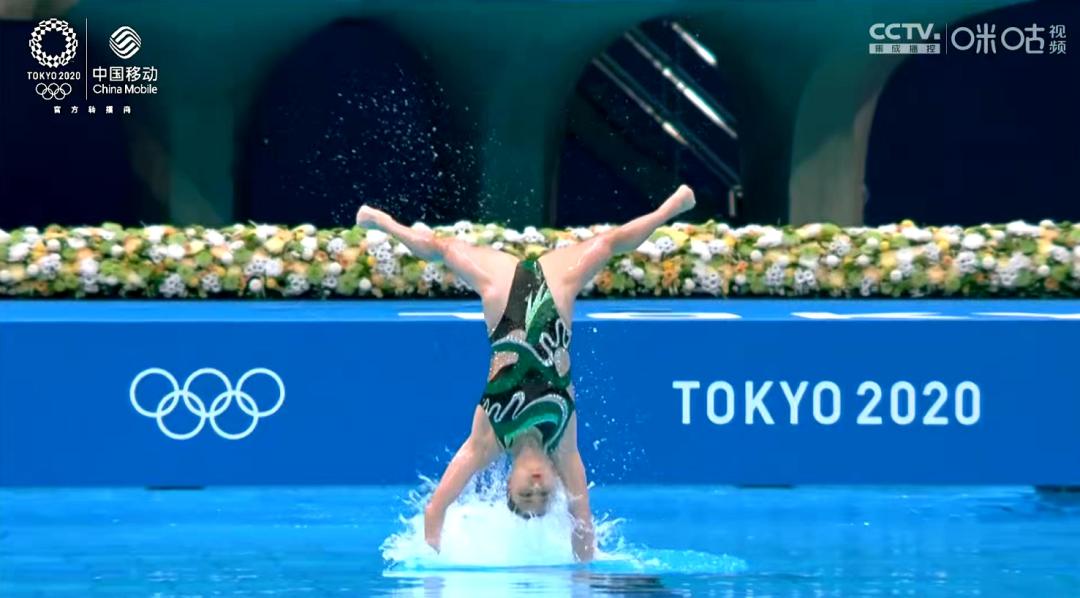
x=531, y=484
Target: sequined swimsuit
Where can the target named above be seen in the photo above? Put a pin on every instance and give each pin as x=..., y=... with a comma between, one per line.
x=532, y=387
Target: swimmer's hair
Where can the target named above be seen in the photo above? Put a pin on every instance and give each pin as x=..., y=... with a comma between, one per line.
x=516, y=510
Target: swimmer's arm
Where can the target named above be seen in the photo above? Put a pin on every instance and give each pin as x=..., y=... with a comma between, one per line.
x=476, y=453
x=572, y=471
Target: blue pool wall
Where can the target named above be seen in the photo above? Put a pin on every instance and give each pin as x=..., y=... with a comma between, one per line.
x=379, y=392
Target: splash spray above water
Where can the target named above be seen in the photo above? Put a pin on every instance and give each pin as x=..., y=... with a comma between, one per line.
x=480, y=532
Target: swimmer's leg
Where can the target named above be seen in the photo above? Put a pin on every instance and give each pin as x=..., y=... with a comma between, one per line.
x=579, y=263
x=478, y=266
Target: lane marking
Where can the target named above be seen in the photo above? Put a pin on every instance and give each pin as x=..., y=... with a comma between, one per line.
x=1023, y=314
x=670, y=315
x=899, y=315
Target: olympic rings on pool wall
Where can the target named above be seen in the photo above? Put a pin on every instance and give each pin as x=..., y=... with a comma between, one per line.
x=195, y=404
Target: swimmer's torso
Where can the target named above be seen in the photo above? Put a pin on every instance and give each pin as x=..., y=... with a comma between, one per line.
x=529, y=385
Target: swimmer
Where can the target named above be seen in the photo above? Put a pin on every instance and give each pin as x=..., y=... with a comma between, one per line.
x=527, y=409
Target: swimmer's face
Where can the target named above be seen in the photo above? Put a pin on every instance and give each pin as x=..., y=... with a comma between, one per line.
x=531, y=486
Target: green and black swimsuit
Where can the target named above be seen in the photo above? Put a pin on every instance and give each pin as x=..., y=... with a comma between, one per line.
x=533, y=390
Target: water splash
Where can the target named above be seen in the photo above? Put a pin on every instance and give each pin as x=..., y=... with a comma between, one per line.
x=480, y=532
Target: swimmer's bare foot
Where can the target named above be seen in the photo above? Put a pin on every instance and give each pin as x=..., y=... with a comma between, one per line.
x=680, y=201
x=369, y=217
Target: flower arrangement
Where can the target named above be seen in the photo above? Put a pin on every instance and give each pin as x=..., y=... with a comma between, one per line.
x=897, y=260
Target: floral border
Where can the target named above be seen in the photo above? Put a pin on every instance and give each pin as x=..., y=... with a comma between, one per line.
x=898, y=260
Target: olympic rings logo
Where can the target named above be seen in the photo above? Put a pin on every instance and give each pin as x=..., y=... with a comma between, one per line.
x=71, y=43
x=197, y=407
x=53, y=91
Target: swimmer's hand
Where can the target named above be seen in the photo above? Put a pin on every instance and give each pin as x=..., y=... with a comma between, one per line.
x=433, y=520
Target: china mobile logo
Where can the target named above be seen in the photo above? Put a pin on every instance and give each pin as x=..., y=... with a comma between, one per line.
x=71, y=43
x=197, y=406
x=125, y=42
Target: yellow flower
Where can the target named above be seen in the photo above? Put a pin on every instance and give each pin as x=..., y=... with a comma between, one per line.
x=836, y=279
x=936, y=275
x=943, y=244
x=275, y=245
x=196, y=247
x=888, y=259
x=271, y=283
x=884, y=246
x=18, y=273
x=906, y=223
x=371, y=260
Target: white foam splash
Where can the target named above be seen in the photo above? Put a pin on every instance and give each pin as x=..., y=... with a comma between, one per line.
x=480, y=531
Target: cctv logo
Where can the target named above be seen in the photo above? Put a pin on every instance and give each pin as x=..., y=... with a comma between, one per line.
x=890, y=31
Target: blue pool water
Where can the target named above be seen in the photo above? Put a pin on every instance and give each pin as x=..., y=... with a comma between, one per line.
x=671, y=541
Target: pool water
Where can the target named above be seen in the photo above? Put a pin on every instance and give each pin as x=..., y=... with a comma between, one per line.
x=671, y=541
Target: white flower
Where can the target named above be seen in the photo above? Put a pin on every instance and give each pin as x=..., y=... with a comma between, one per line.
x=210, y=283
x=710, y=282
x=637, y=273
x=309, y=244
x=88, y=266
x=497, y=245
x=783, y=260
x=740, y=279
x=560, y=243
x=336, y=246
x=422, y=227
x=810, y=231
x=214, y=238
x=1044, y=270
x=158, y=254
x=771, y=238
x=4, y=236
x=965, y=262
x=996, y=235
x=718, y=247
x=1060, y=254
x=953, y=238
x=700, y=249
x=53, y=245
x=274, y=267
x=1019, y=228
x=931, y=252
x=116, y=251
x=805, y=280
x=307, y=255
x=173, y=286
x=155, y=233
x=840, y=246
x=227, y=258
x=649, y=249
x=1047, y=224
x=111, y=280
x=49, y=265
x=602, y=228
x=256, y=285
x=905, y=256
x=896, y=276
x=256, y=267
x=296, y=284
x=265, y=231
x=375, y=237
x=832, y=261
x=76, y=243
x=467, y=238
x=582, y=233
x=401, y=249
x=532, y=235
x=688, y=284
x=236, y=245
x=862, y=261
x=5, y=276
x=432, y=273
x=867, y=286
x=487, y=234
x=917, y=235
x=873, y=243
x=511, y=236
x=32, y=270
x=175, y=251
x=755, y=256
x=665, y=245
x=973, y=241
x=333, y=269
x=774, y=275
x=988, y=263
x=330, y=282
x=18, y=252
x=462, y=226
x=1076, y=252
x=307, y=229
x=106, y=234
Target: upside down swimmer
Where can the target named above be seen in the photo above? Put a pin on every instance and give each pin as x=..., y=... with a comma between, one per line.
x=527, y=409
